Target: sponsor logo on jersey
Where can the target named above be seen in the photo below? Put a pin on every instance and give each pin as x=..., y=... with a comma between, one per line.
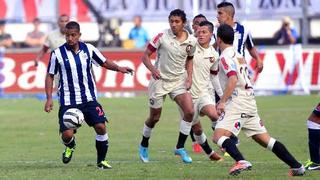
x=224, y=63
x=237, y=125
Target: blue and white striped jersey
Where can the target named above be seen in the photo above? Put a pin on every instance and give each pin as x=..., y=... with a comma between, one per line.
x=242, y=38
x=76, y=85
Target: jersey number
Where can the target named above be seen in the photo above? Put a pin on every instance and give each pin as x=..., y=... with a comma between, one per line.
x=100, y=111
x=244, y=71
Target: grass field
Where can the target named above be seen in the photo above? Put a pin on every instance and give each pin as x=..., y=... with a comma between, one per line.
x=30, y=146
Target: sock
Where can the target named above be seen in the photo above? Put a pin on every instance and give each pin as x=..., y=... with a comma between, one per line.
x=234, y=139
x=146, y=133
x=102, y=145
x=230, y=147
x=314, y=145
x=185, y=128
x=71, y=143
x=202, y=140
x=282, y=153
x=192, y=136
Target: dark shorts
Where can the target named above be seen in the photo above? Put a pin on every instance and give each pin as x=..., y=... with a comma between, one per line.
x=316, y=110
x=92, y=111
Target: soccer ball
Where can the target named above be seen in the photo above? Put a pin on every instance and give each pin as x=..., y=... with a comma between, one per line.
x=73, y=118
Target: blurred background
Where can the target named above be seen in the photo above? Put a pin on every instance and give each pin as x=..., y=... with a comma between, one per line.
x=111, y=26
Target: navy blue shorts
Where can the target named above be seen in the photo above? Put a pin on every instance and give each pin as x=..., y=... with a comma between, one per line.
x=92, y=111
x=316, y=110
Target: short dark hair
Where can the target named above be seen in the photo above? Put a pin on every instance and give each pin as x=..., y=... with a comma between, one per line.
x=73, y=25
x=229, y=7
x=208, y=24
x=179, y=13
x=200, y=16
x=226, y=33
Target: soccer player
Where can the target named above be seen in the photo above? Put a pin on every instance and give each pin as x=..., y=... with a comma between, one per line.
x=238, y=110
x=77, y=89
x=171, y=75
x=313, y=125
x=195, y=24
x=242, y=36
x=55, y=38
x=205, y=62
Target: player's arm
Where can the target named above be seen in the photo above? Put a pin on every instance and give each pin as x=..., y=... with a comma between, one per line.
x=254, y=53
x=40, y=54
x=52, y=70
x=216, y=83
x=189, y=69
x=99, y=59
x=230, y=86
x=49, y=88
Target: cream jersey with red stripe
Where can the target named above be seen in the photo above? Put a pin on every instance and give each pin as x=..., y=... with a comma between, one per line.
x=232, y=63
x=171, y=54
x=205, y=60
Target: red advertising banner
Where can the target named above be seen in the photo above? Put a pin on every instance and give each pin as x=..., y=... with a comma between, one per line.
x=281, y=72
x=19, y=75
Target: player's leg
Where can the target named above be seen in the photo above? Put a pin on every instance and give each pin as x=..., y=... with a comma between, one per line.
x=281, y=152
x=67, y=137
x=95, y=117
x=313, y=125
x=156, y=96
x=184, y=101
x=202, y=140
x=154, y=117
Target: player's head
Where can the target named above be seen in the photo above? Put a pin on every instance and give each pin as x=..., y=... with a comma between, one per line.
x=177, y=19
x=197, y=20
x=62, y=21
x=204, y=33
x=225, y=35
x=225, y=12
x=72, y=33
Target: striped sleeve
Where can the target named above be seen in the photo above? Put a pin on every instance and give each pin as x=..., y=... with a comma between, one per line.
x=53, y=64
x=249, y=41
x=228, y=66
x=97, y=58
x=155, y=42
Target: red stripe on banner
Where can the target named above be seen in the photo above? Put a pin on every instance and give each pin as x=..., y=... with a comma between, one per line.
x=281, y=61
x=82, y=13
x=65, y=7
x=315, y=68
x=30, y=10
x=3, y=9
x=253, y=63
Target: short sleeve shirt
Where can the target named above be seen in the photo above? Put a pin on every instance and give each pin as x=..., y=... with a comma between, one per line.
x=205, y=60
x=171, y=54
x=55, y=39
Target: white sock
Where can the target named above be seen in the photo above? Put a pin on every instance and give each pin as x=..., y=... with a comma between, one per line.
x=185, y=127
x=146, y=131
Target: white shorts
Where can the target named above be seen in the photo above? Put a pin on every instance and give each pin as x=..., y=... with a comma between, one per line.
x=236, y=118
x=199, y=103
x=158, y=89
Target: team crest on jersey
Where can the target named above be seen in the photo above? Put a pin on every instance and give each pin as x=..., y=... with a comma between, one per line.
x=211, y=59
x=237, y=125
x=151, y=101
x=224, y=63
x=188, y=48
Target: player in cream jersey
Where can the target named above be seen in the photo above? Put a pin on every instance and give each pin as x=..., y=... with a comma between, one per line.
x=238, y=111
x=205, y=64
x=171, y=75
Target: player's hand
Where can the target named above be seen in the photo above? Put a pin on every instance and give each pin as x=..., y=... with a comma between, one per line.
x=48, y=106
x=188, y=83
x=220, y=108
x=156, y=74
x=125, y=70
x=259, y=65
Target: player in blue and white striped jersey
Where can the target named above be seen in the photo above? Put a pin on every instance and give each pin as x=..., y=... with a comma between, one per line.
x=242, y=36
x=73, y=61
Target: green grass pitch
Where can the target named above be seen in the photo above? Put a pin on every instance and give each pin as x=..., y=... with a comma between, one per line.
x=30, y=146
